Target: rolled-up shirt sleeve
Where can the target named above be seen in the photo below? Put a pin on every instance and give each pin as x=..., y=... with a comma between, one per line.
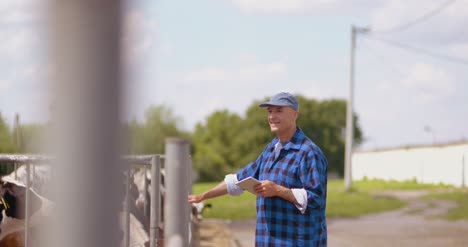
x=232, y=188
x=301, y=198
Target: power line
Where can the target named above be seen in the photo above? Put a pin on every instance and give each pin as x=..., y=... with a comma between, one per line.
x=382, y=59
x=420, y=50
x=417, y=20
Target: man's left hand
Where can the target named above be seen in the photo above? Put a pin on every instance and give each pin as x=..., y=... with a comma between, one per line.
x=266, y=188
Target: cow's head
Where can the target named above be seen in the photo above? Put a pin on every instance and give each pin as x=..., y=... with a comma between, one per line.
x=13, y=201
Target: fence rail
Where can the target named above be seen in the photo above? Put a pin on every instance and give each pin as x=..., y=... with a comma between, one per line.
x=152, y=161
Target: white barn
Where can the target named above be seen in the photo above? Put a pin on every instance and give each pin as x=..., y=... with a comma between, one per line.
x=446, y=164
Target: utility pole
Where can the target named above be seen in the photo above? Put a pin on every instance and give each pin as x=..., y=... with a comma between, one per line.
x=349, y=108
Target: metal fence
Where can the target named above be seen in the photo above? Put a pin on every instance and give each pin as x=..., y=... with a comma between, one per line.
x=176, y=209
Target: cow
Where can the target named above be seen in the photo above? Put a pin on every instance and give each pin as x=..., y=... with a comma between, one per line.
x=139, y=177
x=12, y=206
x=12, y=210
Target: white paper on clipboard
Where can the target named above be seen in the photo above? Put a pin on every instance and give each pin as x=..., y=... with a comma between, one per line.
x=248, y=184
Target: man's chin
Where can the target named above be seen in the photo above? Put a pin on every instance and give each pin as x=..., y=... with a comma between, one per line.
x=273, y=130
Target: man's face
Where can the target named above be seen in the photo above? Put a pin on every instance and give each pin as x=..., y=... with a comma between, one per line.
x=281, y=119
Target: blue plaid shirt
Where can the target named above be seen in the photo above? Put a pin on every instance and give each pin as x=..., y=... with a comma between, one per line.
x=300, y=164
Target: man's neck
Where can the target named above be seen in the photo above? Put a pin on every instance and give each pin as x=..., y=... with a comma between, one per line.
x=287, y=135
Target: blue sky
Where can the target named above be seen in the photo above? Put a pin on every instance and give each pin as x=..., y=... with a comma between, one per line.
x=207, y=55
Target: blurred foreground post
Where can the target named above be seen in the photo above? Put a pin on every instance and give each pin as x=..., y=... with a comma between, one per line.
x=85, y=37
x=176, y=208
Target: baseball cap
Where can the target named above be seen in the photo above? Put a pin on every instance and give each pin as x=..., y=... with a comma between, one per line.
x=282, y=99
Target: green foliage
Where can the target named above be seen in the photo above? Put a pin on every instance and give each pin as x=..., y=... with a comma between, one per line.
x=6, y=143
x=240, y=141
x=324, y=122
x=32, y=138
x=228, y=207
x=149, y=137
x=255, y=135
x=215, y=145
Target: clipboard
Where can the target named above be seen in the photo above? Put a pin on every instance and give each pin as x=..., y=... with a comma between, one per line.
x=248, y=184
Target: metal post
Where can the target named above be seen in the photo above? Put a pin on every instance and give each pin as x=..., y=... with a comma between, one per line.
x=349, y=110
x=27, y=206
x=18, y=141
x=155, y=211
x=85, y=45
x=177, y=218
x=145, y=191
x=127, y=209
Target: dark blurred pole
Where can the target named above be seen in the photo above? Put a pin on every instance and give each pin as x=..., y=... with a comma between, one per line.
x=349, y=109
x=85, y=52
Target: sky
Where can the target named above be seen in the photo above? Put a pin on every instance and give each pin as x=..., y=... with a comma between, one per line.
x=197, y=57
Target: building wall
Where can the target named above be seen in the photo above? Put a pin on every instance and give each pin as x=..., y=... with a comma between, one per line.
x=447, y=164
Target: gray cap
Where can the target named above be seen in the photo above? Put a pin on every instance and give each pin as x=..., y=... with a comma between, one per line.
x=282, y=99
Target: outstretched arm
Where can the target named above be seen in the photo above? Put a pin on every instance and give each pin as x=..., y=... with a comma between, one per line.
x=218, y=190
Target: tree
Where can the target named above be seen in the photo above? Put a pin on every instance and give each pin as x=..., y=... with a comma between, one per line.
x=215, y=145
x=149, y=137
x=324, y=122
x=32, y=138
x=227, y=142
x=6, y=143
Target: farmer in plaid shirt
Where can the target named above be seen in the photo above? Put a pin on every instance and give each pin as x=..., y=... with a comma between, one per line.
x=291, y=198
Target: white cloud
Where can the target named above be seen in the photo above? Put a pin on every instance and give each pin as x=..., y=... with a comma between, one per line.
x=17, y=42
x=322, y=91
x=262, y=72
x=4, y=85
x=245, y=73
x=429, y=83
x=444, y=27
x=138, y=34
x=460, y=50
x=38, y=73
x=207, y=75
x=246, y=58
x=293, y=7
x=20, y=11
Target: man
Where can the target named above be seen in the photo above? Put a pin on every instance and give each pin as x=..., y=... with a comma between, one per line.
x=292, y=170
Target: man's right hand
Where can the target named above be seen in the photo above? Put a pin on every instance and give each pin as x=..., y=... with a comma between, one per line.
x=195, y=198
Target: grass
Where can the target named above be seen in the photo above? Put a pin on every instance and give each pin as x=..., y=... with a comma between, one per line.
x=459, y=196
x=228, y=207
x=357, y=202
x=380, y=185
x=360, y=201
x=363, y=199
